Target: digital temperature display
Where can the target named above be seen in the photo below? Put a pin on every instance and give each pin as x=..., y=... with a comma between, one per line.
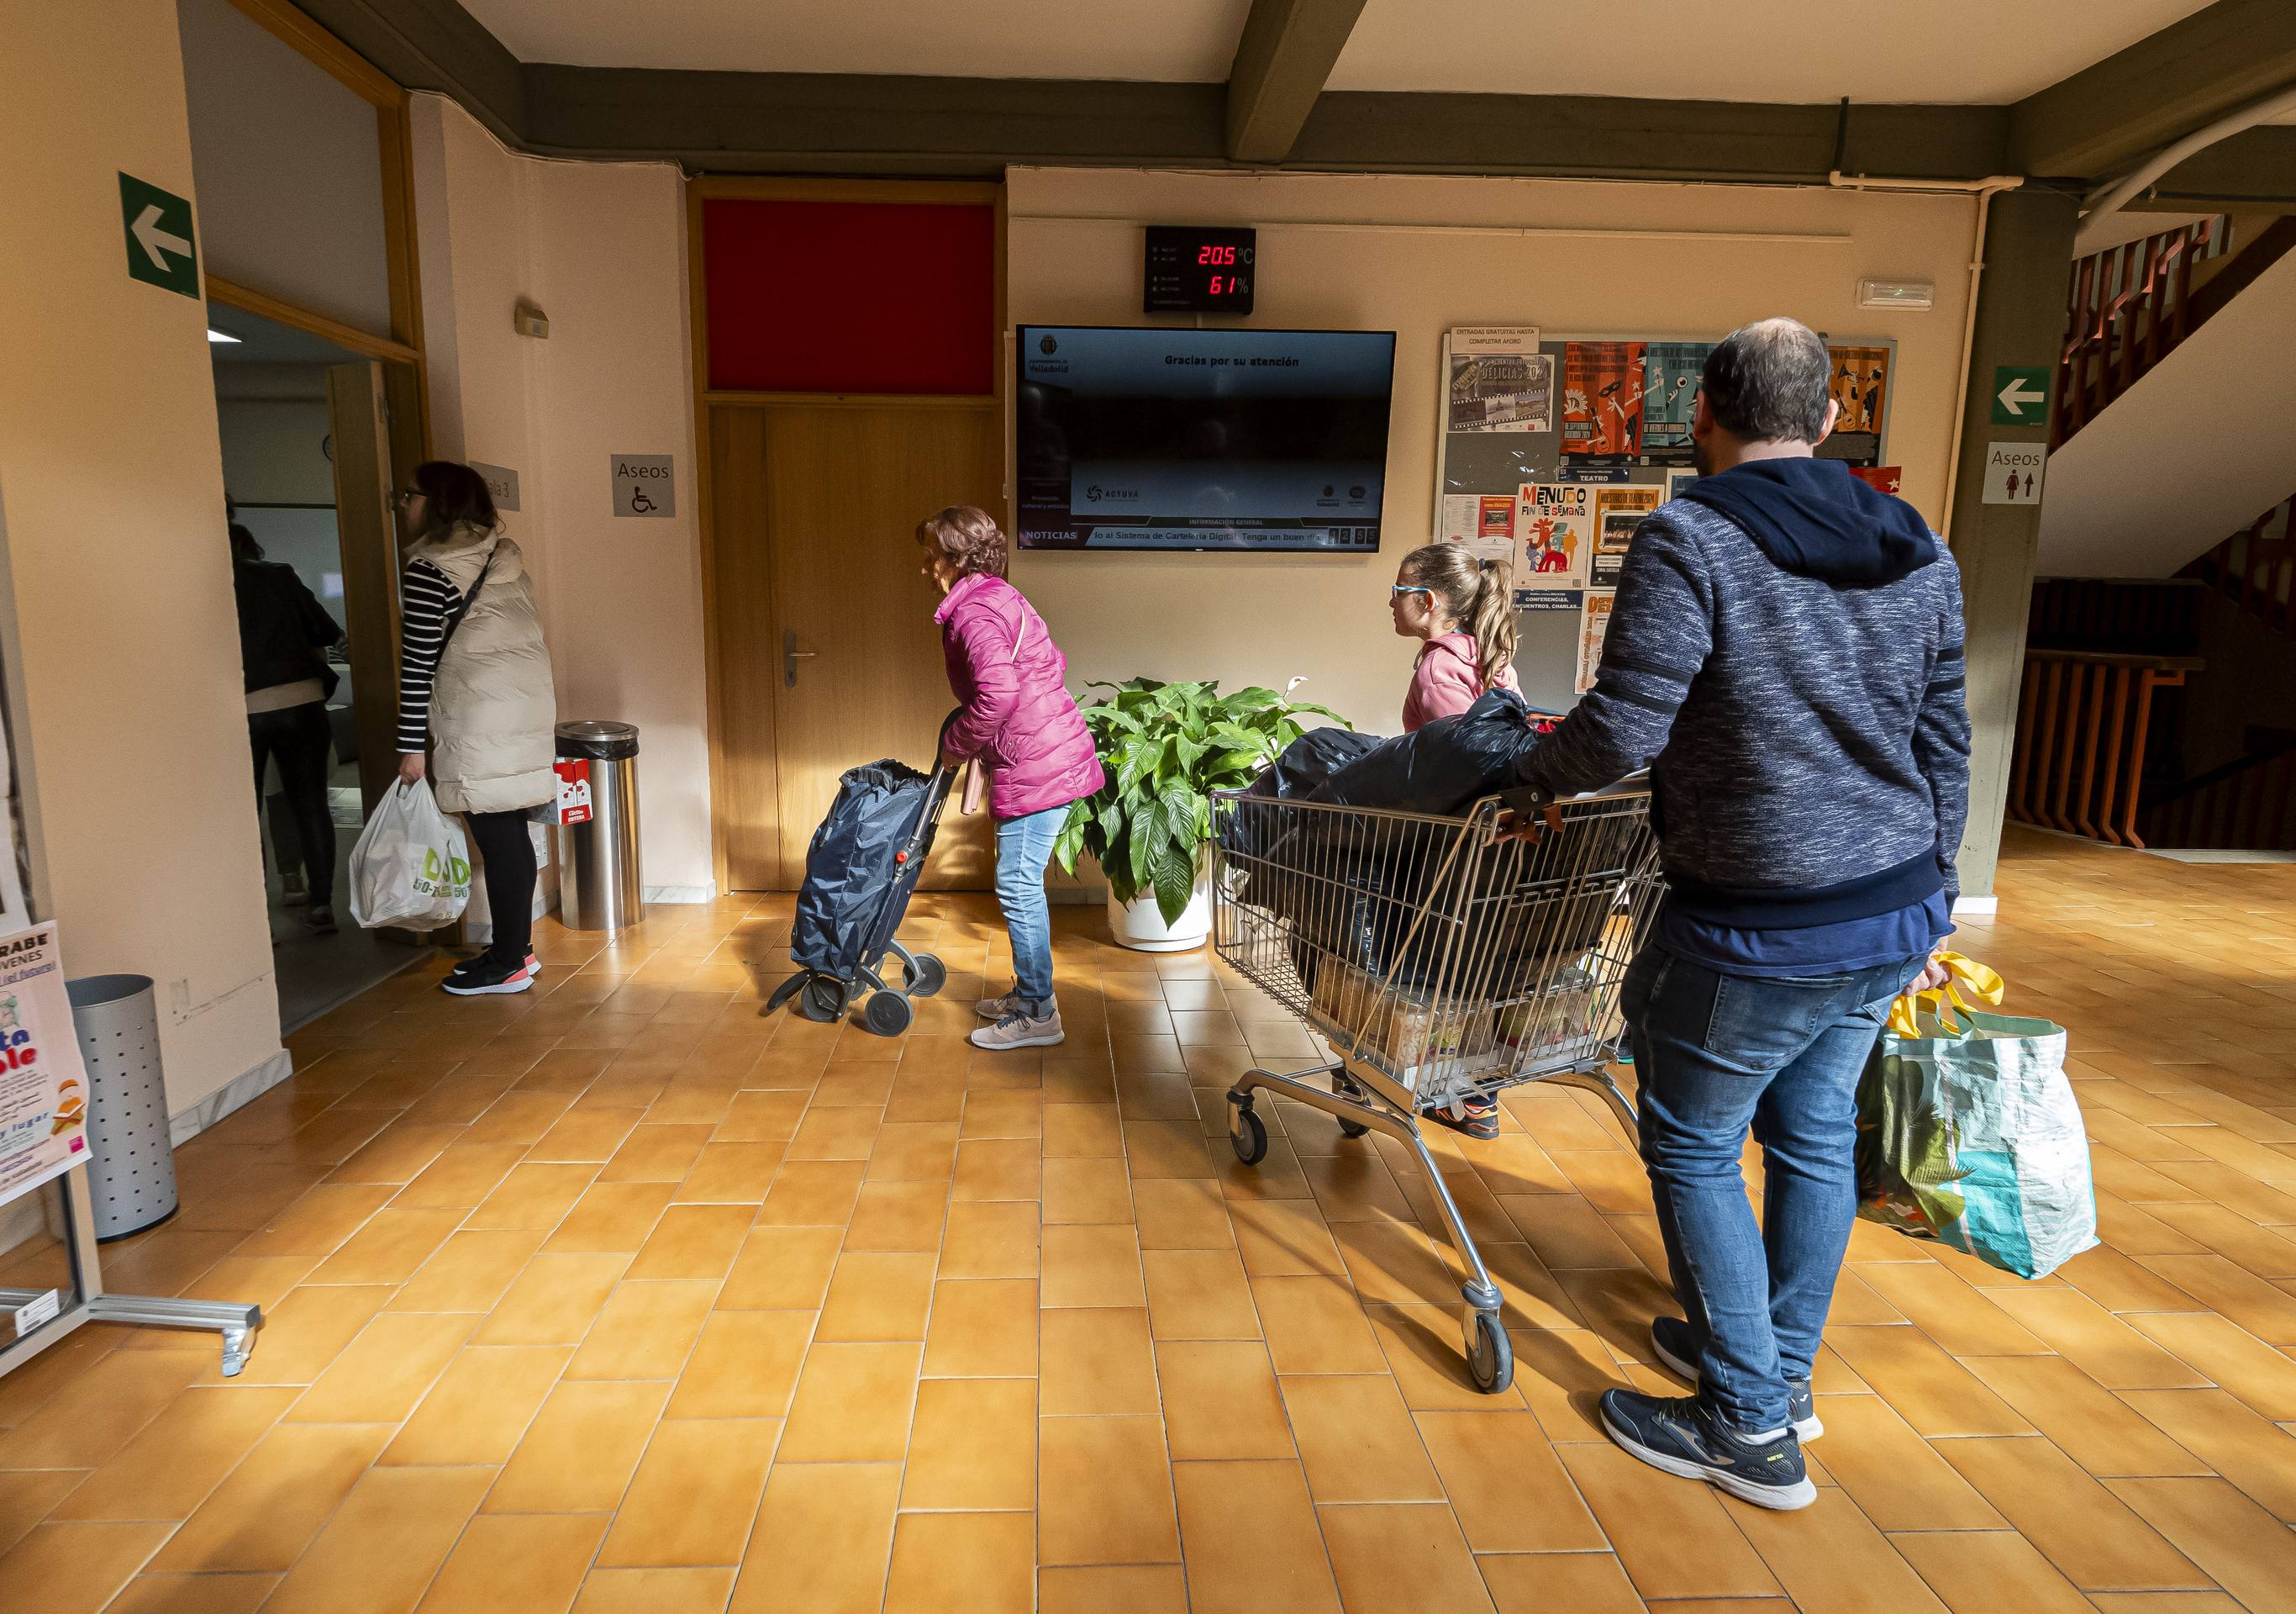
x=1199, y=270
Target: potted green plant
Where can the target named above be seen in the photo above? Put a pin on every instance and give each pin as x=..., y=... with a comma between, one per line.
x=1166, y=748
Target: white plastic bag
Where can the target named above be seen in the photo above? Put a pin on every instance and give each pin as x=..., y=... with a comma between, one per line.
x=411, y=867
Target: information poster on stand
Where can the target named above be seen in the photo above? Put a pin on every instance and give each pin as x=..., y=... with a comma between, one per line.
x=43, y=1084
x=1593, y=627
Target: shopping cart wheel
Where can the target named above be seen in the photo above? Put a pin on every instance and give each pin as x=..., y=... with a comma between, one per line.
x=823, y=999
x=1490, y=1358
x=888, y=1013
x=1347, y=1087
x=1249, y=1133
x=924, y=976
x=1350, y=1129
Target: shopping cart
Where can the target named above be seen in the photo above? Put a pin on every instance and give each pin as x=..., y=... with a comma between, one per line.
x=1440, y=960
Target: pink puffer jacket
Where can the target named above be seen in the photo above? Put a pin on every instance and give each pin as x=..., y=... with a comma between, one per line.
x=1446, y=681
x=1018, y=715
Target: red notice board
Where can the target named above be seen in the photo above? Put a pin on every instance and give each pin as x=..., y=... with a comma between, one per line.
x=851, y=296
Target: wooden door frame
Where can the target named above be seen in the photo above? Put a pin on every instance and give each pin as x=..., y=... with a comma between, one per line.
x=705, y=188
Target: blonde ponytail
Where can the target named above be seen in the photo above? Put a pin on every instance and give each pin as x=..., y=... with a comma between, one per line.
x=1475, y=597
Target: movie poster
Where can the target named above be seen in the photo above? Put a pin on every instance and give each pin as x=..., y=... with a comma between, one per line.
x=1499, y=380
x=43, y=1084
x=1555, y=522
x=1671, y=376
x=1602, y=398
x=1861, y=387
x=1593, y=626
x=1618, y=511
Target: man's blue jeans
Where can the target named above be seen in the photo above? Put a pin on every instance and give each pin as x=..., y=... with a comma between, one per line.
x=1719, y=1054
x=1024, y=845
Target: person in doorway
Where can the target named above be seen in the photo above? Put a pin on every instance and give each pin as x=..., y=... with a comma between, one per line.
x=1786, y=647
x=1017, y=720
x=285, y=634
x=1464, y=608
x=475, y=688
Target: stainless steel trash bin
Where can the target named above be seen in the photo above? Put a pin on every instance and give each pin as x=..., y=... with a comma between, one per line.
x=599, y=884
x=131, y=1158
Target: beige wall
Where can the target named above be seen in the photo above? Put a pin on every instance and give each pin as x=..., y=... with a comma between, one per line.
x=601, y=248
x=1347, y=251
x=111, y=484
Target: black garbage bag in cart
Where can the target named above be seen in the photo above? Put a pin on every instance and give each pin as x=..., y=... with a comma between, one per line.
x=860, y=873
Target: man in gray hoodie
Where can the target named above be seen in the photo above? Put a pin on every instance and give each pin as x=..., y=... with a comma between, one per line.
x=1785, y=656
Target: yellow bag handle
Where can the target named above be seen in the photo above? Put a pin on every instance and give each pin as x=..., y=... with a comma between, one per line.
x=1961, y=971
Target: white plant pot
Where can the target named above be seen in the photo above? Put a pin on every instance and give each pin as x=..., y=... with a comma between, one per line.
x=1140, y=925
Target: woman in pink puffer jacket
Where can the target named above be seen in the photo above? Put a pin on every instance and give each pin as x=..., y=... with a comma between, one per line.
x=1018, y=721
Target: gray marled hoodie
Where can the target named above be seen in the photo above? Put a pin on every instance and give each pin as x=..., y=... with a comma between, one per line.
x=1786, y=653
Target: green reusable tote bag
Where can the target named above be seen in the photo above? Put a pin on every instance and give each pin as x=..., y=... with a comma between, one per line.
x=1973, y=1137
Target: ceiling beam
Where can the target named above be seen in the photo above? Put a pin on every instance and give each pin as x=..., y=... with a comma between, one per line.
x=2253, y=171
x=2100, y=121
x=1282, y=61
x=434, y=44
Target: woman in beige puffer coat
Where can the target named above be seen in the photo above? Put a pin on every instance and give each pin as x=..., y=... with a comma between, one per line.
x=475, y=688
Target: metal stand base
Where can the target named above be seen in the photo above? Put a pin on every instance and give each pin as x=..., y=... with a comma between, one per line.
x=237, y=1324
x=1489, y=1356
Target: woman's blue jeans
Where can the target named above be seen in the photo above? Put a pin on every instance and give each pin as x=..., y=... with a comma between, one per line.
x=1716, y=1055
x=1024, y=845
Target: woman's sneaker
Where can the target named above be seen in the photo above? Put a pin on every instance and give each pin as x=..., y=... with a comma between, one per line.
x=1670, y=1338
x=996, y=1008
x=1022, y=1028
x=1681, y=1435
x=479, y=978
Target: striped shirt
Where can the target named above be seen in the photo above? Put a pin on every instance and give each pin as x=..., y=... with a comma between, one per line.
x=430, y=606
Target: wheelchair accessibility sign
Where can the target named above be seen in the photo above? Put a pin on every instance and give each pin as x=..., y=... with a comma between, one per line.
x=644, y=485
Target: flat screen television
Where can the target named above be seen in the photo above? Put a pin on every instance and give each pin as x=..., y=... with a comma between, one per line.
x=1167, y=439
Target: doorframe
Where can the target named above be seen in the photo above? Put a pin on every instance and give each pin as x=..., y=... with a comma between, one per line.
x=704, y=188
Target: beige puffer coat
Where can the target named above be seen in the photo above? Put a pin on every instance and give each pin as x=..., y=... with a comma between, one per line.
x=494, y=710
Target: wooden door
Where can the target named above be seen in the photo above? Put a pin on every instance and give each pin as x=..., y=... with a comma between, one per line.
x=829, y=654
x=359, y=421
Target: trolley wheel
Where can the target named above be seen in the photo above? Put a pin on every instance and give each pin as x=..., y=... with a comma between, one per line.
x=888, y=1013
x=823, y=999
x=1352, y=1128
x=1490, y=1358
x=1347, y=1087
x=1249, y=1135
x=925, y=974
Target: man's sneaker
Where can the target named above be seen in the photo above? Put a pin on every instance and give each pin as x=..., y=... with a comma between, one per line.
x=1670, y=1338
x=996, y=1008
x=293, y=890
x=1021, y=1029
x=320, y=921
x=1682, y=1436
x=480, y=979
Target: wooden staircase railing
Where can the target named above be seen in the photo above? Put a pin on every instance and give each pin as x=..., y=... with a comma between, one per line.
x=2248, y=804
x=2256, y=569
x=2082, y=722
x=2127, y=308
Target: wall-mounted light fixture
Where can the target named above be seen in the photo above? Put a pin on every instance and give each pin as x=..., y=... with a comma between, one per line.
x=529, y=321
x=1896, y=294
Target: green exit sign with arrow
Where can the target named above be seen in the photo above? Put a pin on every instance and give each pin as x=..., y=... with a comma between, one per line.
x=2020, y=395
x=159, y=226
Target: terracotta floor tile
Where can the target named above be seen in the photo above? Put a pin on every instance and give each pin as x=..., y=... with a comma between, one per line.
x=470, y=1272
x=264, y=1515
x=1181, y=1212
x=983, y=1328
x=2097, y=1543
x=1393, y=1262
x=29, y=1496
x=2237, y=1360
x=695, y=1494
x=1959, y=1317
x=782, y=1268
x=1929, y=1389
x=761, y=1117
x=973, y=1445
x=915, y=1151
x=655, y=1592
x=2095, y=1428
x=812, y=1193
x=579, y=1454
x=1585, y=1583
x=1112, y=1589
x=745, y=1365
x=1970, y=1569
x=2252, y=1453
x=2222, y=1531
x=1401, y=1560
x=962, y=1563
x=1424, y=1347
x=1078, y=1191
x=611, y=1218
x=532, y=1562
x=695, y=1241
x=899, y=1216
x=461, y=1178
x=320, y=1222
x=74, y=1569
x=1505, y=1483
x=1105, y=1492
x=2106, y=1348
x=193, y=1594
x=533, y=1195
x=1567, y=1232
x=1094, y=1266
x=1354, y=1187
x=1166, y=1149
x=388, y=1248
x=998, y=1168
x=383, y=1373
x=1082, y=1131
x=554, y=1301
x=1894, y=1475
x=1097, y=1362
x=1675, y=1539
x=168, y=1469
x=1196, y=1294
x=1356, y=1440
x=2119, y=1284
x=587, y=1135
x=480, y=1407
x=1221, y=1401
x=853, y=1405
x=644, y=1331
x=1315, y=1325
x=2218, y=1285
x=730, y=1172
x=837, y=1133
x=384, y=1544
x=1285, y=1238
x=101, y=1409
x=1251, y=1540
x=822, y=1542
x=261, y=1280
x=519, y=1117
x=990, y=1238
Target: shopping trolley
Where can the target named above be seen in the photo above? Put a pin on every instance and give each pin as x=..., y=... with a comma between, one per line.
x=1440, y=958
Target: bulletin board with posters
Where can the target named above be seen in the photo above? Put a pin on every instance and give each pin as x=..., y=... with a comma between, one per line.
x=1552, y=450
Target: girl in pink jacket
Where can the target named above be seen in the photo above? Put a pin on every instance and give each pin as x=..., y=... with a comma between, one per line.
x=1464, y=609
x=1017, y=719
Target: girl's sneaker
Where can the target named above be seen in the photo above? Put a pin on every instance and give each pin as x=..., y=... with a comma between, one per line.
x=480, y=978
